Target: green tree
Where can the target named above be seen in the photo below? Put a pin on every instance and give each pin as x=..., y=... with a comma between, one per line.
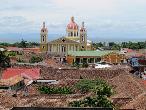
x=22, y=44
x=101, y=89
x=4, y=60
x=96, y=45
x=35, y=59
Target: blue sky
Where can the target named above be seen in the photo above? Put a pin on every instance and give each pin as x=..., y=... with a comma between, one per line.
x=104, y=19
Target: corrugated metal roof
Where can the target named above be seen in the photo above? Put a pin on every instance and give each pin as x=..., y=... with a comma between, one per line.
x=89, y=53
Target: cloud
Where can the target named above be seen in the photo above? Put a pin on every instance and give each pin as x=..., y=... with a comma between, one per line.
x=100, y=16
x=15, y=24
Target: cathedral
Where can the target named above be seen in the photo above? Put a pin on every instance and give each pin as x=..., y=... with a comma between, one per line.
x=75, y=40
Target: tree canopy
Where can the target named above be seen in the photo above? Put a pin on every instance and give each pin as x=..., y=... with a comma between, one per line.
x=4, y=60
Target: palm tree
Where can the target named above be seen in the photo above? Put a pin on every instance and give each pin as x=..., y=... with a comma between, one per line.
x=4, y=60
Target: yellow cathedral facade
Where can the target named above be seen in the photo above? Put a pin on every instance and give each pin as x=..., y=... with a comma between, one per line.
x=75, y=40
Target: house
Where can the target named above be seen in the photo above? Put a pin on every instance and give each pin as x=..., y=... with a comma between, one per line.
x=14, y=49
x=31, y=50
x=114, y=58
x=12, y=83
x=32, y=74
x=89, y=57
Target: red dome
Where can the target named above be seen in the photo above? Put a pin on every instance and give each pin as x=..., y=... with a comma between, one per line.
x=72, y=24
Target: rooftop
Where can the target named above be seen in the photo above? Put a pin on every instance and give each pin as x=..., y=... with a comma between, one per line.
x=33, y=73
x=11, y=81
x=89, y=53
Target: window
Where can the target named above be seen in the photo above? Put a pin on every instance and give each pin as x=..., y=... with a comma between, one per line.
x=74, y=34
x=43, y=38
x=97, y=59
x=71, y=34
x=91, y=60
x=82, y=38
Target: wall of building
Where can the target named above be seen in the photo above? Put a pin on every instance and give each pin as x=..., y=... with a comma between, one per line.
x=114, y=58
x=70, y=60
x=81, y=59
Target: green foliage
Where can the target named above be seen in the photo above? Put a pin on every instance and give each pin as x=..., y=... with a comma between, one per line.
x=85, y=85
x=101, y=89
x=85, y=65
x=4, y=60
x=97, y=101
x=35, y=59
x=12, y=54
x=55, y=90
x=134, y=45
x=99, y=86
x=20, y=60
x=76, y=64
x=96, y=45
x=22, y=44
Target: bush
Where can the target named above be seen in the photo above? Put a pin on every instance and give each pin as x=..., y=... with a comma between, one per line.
x=55, y=90
x=92, y=102
x=12, y=54
x=20, y=60
x=76, y=64
x=102, y=90
x=35, y=59
x=85, y=85
x=85, y=65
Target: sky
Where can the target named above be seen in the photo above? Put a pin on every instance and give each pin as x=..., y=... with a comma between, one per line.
x=104, y=19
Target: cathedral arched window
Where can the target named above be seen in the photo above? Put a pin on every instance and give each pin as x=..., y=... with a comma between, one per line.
x=71, y=33
x=43, y=38
x=74, y=34
x=82, y=38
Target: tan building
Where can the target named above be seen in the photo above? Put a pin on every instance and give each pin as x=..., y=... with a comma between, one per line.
x=75, y=40
x=114, y=58
x=92, y=57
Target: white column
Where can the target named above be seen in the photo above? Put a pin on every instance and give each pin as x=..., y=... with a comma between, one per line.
x=94, y=60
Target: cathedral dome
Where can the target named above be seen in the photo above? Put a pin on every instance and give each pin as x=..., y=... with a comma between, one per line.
x=72, y=24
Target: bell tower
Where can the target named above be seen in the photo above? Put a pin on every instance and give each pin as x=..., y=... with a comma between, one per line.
x=44, y=39
x=83, y=37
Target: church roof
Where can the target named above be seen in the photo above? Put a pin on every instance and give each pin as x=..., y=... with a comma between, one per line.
x=89, y=53
x=63, y=40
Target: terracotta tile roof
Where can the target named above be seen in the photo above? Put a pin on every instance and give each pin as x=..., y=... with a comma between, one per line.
x=33, y=73
x=14, y=49
x=31, y=49
x=128, y=50
x=11, y=81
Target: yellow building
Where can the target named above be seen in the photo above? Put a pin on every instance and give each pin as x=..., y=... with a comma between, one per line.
x=44, y=36
x=75, y=40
